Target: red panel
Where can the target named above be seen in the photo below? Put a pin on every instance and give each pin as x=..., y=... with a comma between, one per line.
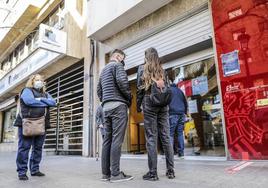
x=242, y=25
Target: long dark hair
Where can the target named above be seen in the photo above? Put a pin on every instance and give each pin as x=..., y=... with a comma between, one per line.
x=152, y=68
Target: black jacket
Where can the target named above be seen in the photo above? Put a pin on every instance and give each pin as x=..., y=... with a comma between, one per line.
x=33, y=112
x=113, y=84
x=140, y=90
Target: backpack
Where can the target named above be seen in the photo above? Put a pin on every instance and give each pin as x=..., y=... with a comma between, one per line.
x=160, y=97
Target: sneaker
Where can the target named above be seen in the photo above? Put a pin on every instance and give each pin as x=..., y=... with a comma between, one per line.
x=39, y=174
x=23, y=177
x=120, y=178
x=105, y=178
x=181, y=155
x=170, y=174
x=150, y=176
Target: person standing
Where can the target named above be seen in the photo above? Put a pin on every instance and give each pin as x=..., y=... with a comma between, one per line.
x=114, y=92
x=155, y=117
x=34, y=103
x=178, y=108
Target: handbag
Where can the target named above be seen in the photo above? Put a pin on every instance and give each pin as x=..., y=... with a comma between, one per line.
x=33, y=126
x=160, y=97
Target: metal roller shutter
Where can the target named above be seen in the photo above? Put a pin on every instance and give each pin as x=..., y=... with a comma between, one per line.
x=67, y=88
x=188, y=32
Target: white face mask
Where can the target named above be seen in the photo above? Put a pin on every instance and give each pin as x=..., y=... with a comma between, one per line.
x=38, y=84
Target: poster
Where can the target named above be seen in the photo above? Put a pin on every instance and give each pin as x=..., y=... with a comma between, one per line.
x=200, y=85
x=192, y=106
x=230, y=63
x=186, y=87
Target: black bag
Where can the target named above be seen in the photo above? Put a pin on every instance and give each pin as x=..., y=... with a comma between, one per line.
x=160, y=97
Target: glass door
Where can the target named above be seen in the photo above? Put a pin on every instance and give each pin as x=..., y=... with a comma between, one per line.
x=203, y=130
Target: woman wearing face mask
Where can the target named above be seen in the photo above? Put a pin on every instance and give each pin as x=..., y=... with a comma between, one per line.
x=34, y=103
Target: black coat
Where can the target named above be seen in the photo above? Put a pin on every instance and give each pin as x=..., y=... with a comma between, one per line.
x=113, y=84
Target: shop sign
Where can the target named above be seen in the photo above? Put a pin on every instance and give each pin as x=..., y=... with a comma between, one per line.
x=262, y=102
x=38, y=60
x=52, y=39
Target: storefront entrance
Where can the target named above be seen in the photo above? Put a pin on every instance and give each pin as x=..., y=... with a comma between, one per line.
x=9, y=130
x=203, y=131
x=66, y=133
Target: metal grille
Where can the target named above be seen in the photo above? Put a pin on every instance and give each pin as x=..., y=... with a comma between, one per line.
x=66, y=134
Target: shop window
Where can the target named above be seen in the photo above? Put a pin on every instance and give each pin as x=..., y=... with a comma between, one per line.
x=29, y=43
x=9, y=130
x=263, y=26
x=21, y=52
x=235, y=13
x=6, y=65
x=204, y=130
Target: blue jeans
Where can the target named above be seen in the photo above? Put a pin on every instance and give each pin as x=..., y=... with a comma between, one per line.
x=177, y=123
x=24, y=146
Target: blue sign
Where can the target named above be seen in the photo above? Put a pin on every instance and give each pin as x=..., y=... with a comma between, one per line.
x=200, y=85
x=230, y=63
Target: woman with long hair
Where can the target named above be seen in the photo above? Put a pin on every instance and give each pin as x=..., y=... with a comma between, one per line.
x=34, y=104
x=155, y=117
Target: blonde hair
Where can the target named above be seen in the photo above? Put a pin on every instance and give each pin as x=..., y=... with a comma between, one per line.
x=152, y=68
x=30, y=82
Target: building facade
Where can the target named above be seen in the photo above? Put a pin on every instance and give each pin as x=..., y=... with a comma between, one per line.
x=182, y=32
x=217, y=56
x=47, y=37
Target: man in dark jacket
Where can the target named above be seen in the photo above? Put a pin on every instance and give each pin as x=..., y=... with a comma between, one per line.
x=115, y=95
x=177, y=112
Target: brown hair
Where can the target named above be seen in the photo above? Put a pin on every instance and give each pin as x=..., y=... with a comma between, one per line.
x=30, y=82
x=152, y=68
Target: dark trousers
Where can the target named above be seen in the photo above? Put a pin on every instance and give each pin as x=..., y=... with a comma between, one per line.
x=115, y=124
x=24, y=146
x=177, y=124
x=156, y=122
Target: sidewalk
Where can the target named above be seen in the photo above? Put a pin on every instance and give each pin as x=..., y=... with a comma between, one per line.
x=80, y=172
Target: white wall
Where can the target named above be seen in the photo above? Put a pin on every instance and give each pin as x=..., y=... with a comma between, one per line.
x=107, y=17
x=102, y=12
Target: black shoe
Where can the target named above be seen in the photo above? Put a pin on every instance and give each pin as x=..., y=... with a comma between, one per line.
x=170, y=174
x=23, y=177
x=150, y=176
x=105, y=178
x=197, y=153
x=39, y=174
x=120, y=178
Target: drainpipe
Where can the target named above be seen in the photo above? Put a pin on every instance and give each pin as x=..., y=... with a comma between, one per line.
x=91, y=100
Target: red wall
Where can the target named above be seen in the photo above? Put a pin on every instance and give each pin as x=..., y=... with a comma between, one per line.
x=246, y=119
